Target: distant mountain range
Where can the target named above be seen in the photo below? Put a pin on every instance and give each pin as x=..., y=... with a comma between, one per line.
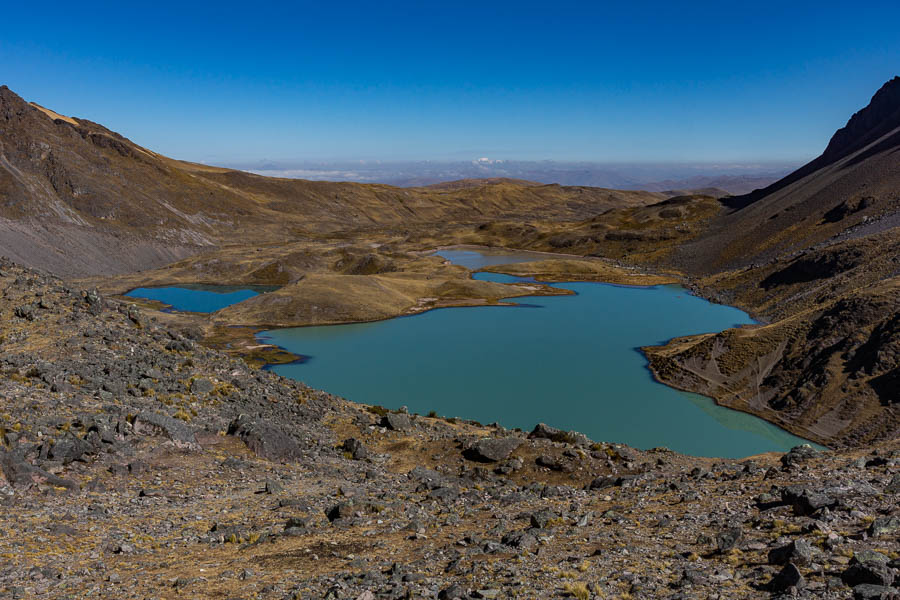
x=729, y=178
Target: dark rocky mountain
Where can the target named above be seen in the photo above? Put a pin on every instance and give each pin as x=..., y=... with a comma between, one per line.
x=855, y=183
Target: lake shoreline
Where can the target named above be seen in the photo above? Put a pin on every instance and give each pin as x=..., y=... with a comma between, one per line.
x=372, y=397
x=250, y=342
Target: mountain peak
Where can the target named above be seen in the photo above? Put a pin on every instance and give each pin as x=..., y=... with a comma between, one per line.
x=880, y=116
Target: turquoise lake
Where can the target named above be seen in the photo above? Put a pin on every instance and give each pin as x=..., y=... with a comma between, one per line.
x=200, y=298
x=569, y=361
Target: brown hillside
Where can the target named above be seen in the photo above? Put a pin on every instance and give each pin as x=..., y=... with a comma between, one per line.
x=79, y=199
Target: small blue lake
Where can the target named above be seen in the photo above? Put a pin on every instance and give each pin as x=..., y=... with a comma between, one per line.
x=569, y=361
x=200, y=298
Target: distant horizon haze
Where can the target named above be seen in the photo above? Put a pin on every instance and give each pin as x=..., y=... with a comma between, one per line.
x=221, y=83
x=735, y=178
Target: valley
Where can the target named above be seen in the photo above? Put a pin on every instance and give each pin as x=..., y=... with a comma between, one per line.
x=150, y=450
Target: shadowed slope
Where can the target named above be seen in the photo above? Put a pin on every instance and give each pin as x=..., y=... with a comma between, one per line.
x=854, y=185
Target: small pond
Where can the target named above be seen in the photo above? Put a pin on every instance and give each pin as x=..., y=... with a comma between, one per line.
x=200, y=298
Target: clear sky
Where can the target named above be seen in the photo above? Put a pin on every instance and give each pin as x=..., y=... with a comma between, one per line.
x=607, y=81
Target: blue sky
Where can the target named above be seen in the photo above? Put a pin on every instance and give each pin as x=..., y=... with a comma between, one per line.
x=605, y=81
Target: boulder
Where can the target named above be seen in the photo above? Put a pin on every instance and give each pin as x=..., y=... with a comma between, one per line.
x=396, y=421
x=427, y=478
x=884, y=525
x=798, y=455
x=805, y=501
x=179, y=432
x=356, y=448
x=265, y=439
x=789, y=577
x=21, y=474
x=492, y=449
x=69, y=449
x=874, y=572
x=201, y=386
x=728, y=539
x=799, y=552
x=519, y=539
x=544, y=431
x=869, y=591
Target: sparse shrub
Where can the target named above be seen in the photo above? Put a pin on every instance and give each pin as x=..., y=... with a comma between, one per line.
x=376, y=409
x=578, y=590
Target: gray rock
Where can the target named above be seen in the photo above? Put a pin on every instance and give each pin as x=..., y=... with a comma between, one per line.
x=868, y=591
x=492, y=449
x=869, y=556
x=603, y=482
x=20, y=474
x=799, y=552
x=874, y=572
x=728, y=539
x=356, y=448
x=345, y=510
x=428, y=478
x=519, y=539
x=444, y=494
x=805, y=501
x=788, y=577
x=201, y=386
x=264, y=439
x=798, y=455
x=273, y=487
x=454, y=592
x=179, y=432
x=69, y=449
x=544, y=431
x=884, y=525
x=396, y=421
x=893, y=487
x=542, y=518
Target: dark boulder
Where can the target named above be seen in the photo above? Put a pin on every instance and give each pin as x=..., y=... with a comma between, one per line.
x=69, y=449
x=519, y=539
x=799, y=552
x=355, y=448
x=805, y=501
x=874, y=572
x=869, y=591
x=789, y=577
x=542, y=518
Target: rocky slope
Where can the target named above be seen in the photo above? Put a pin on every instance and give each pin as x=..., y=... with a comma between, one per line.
x=136, y=463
